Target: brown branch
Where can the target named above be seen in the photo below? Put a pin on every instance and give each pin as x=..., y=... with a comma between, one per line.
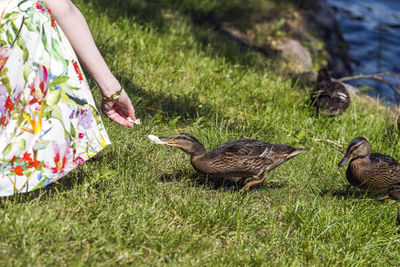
x=334, y=144
x=378, y=77
x=367, y=76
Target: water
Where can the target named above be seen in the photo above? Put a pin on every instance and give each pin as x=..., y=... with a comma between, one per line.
x=372, y=30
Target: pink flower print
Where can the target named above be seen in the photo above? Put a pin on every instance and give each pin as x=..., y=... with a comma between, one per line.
x=44, y=8
x=40, y=7
x=79, y=160
x=40, y=86
x=4, y=54
x=61, y=158
x=60, y=163
x=6, y=105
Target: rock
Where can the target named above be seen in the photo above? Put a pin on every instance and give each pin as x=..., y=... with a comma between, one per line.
x=305, y=30
x=293, y=51
x=351, y=89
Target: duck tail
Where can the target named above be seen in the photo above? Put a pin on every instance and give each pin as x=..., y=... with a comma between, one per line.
x=297, y=151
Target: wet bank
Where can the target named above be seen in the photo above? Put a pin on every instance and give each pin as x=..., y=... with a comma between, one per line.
x=371, y=29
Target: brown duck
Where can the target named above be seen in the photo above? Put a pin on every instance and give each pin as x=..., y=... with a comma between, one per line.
x=241, y=158
x=329, y=96
x=375, y=171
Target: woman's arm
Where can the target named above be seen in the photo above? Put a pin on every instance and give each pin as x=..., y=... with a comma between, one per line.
x=77, y=31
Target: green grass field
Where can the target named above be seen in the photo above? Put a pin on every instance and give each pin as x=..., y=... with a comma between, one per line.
x=138, y=203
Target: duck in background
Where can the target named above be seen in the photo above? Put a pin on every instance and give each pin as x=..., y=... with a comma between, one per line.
x=241, y=158
x=328, y=96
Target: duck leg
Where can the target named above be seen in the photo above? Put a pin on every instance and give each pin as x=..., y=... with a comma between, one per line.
x=383, y=196
x=249, y=184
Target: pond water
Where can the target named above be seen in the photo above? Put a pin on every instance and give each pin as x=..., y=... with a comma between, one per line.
x=372, y=30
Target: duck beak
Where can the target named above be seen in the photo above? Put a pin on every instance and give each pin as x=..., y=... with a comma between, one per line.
x=169, y=141
x=344, y=161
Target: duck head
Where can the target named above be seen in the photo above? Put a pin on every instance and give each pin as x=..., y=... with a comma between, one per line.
x=185, y=142
x=358, y=148
x=323, y=76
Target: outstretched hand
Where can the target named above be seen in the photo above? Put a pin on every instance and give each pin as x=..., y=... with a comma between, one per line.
x=121, y=111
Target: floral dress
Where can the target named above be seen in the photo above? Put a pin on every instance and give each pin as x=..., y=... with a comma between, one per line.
x=48, y=120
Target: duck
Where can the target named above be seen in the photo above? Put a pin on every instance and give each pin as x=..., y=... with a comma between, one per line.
x=369, y=171
x=328, y=96
x=242, y=158
x=393, y=193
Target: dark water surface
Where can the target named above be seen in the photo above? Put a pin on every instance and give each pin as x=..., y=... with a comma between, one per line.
x=372, y=30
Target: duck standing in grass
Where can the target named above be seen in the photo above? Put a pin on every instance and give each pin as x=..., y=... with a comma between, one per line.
x=369, y=171
x=372, y=171
x=241, y=158
x=329, y=96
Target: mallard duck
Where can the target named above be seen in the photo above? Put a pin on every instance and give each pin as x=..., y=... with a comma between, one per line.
x=393, y=193
x=329, y=96
x=368, y=171
x=241, y=158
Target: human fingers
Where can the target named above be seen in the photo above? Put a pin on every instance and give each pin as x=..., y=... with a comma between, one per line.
x=115, y=112
x=116, y=117
x=125, y=102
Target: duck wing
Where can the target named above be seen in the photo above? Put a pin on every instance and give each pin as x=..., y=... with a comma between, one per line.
x=385, y=168
x=340, y=97
x=241, y=147
x=244, y=158
x=232, y=165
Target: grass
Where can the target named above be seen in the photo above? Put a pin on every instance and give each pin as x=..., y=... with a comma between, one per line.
x=137, y=203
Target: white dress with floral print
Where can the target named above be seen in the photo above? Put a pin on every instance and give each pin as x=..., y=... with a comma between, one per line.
x=48, y=120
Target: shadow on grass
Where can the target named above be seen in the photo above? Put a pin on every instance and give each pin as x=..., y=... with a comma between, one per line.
x=203, y=16
x=168, y=105
x=351, y=192
x=199, y=180
x=150, y=103
x=214, y=183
